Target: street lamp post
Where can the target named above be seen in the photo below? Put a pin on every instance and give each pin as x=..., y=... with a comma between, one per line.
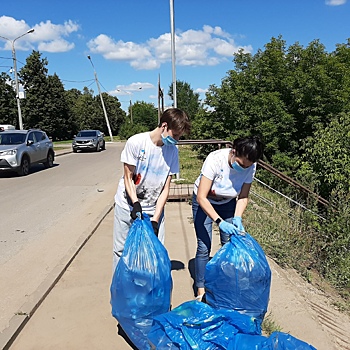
x=102, y=102
x=16, y=76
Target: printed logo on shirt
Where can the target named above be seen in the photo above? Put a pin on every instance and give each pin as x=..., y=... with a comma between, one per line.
x=142, y=156
x=220, y=176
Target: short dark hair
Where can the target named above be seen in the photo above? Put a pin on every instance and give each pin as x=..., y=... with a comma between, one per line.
x=176, y=119
x=250, y=147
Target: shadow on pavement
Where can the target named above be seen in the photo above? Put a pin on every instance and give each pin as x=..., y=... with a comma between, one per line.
x=125, y=337
x=177, y=265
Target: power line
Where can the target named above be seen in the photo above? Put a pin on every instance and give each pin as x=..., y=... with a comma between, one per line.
x=78, y=81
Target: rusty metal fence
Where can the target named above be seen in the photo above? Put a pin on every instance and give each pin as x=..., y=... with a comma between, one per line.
x=183, y=192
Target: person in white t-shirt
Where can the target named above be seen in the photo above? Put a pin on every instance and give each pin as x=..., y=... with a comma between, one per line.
x=220, y=195
x=150, y=159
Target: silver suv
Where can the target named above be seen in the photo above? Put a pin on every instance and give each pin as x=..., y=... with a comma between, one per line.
x=89, y=140
x=21, y=148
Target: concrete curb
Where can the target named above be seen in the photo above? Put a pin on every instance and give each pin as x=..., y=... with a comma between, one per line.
x=62, y=152
x=27, y=310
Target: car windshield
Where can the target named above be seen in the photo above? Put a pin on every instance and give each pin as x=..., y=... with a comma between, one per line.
x=12, y=138
x=87, y=133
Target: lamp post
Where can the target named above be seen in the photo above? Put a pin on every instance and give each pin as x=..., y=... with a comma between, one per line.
x=103, y=104
x=16, y=76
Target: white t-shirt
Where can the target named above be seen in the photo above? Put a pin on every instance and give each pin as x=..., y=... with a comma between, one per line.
x=153, y=166
x=227, y=182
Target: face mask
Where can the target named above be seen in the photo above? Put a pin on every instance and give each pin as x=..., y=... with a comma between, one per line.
x=169, y=141
x=237, y=167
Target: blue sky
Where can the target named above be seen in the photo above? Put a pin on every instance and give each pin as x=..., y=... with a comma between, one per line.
x=129, y=41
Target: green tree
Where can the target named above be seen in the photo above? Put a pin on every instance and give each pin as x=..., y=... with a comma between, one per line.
x=326, y=159
x=116, y=115
x=45, y=106
x=33, y=76
x=187, y=99
x=87, y=111
x=8, y=110
x=71, y=97
x=58, y=122
x=144, y=114
x=86, y=108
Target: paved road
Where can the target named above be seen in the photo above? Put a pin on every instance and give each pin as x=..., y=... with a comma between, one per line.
x=44, y=216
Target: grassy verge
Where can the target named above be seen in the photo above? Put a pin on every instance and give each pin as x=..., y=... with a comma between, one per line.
x=190, y=165
x=269, y=326
x=58, y=145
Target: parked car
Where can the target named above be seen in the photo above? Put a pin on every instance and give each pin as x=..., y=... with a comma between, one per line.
x=89, y=140
x=19, y=149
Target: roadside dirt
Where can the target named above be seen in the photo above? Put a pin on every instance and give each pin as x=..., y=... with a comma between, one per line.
x=303, y=309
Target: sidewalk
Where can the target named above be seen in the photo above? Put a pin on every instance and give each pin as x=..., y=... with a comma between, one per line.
x=77, y=314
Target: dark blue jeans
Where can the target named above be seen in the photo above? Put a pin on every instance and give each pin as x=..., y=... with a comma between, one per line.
x=203, y=226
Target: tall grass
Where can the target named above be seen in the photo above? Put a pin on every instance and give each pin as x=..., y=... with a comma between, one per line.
x=190, y=165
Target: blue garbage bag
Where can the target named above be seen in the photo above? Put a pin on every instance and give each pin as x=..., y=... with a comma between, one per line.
x=276, y=341
x=142, y=284
x=238, y=277
x=195, y=325
x=283, y=341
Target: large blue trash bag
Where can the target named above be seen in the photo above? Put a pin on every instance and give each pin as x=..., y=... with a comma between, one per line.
x=283, y=341
x=276, y=341
x=195, y=325
x=238, y=277
x=142, y=284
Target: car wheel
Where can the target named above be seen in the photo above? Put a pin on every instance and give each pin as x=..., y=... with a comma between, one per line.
x=25, y=166
x=98, y=147
x=104, y=145
x=49, y=160
x=74, y=150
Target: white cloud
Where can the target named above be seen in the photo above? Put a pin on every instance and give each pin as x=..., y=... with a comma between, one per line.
x=208, y=46
x=201, y=91
x=58, y=45
x=131, y=89
x=47, y=35
x=335, y=2
x=47, y=31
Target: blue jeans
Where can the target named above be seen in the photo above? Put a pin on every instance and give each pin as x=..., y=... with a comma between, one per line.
x=203, y=226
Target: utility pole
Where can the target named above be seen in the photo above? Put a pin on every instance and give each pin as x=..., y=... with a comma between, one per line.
x=20, y=121
x=102, y=102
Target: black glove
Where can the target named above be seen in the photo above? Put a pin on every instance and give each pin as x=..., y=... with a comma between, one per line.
x=155, y=227
x=136, y=209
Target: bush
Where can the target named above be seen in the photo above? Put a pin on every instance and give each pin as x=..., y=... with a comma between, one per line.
x=128, y=129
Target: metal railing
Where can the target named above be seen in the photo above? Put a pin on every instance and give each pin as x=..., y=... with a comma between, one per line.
x=184, y=192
